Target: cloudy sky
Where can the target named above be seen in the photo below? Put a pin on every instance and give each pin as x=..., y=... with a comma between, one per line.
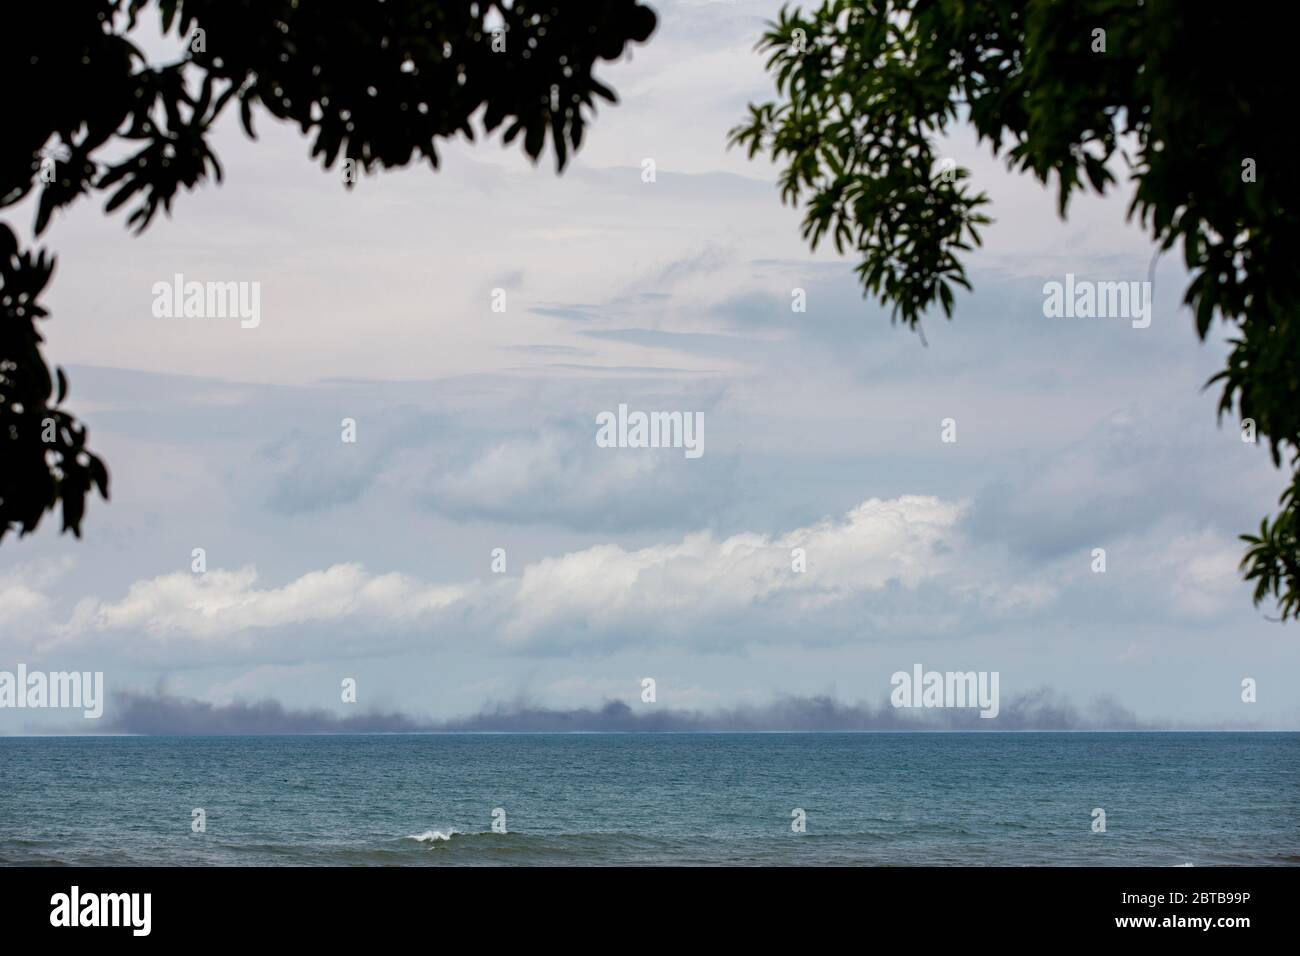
x=476, y=431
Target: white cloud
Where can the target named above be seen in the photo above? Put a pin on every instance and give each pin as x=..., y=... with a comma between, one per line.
x=220, y=603
x=895, y=567
x=1201, y=569
x=558, y=475
x=24, y=604
x=19, y=601
x=680, y=588
x=605, y=592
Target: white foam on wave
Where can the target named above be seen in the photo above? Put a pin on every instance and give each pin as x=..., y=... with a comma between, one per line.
x=434, y=836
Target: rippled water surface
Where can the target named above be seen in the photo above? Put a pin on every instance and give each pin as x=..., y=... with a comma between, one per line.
x=1001, y=799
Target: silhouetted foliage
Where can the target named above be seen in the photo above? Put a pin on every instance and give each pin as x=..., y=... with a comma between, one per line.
x=374, y=82
x=45, y=459
x=1187, y=95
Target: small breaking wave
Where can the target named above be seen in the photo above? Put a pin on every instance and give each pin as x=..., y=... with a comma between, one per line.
x=434, y=836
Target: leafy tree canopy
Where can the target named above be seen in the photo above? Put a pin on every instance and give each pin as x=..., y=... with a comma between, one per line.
x=370, y=81
x=1192, y=101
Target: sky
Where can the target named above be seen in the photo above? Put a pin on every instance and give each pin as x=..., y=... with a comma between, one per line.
x=475, y=430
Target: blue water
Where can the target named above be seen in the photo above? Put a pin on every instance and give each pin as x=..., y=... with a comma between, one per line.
x=958, y=799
